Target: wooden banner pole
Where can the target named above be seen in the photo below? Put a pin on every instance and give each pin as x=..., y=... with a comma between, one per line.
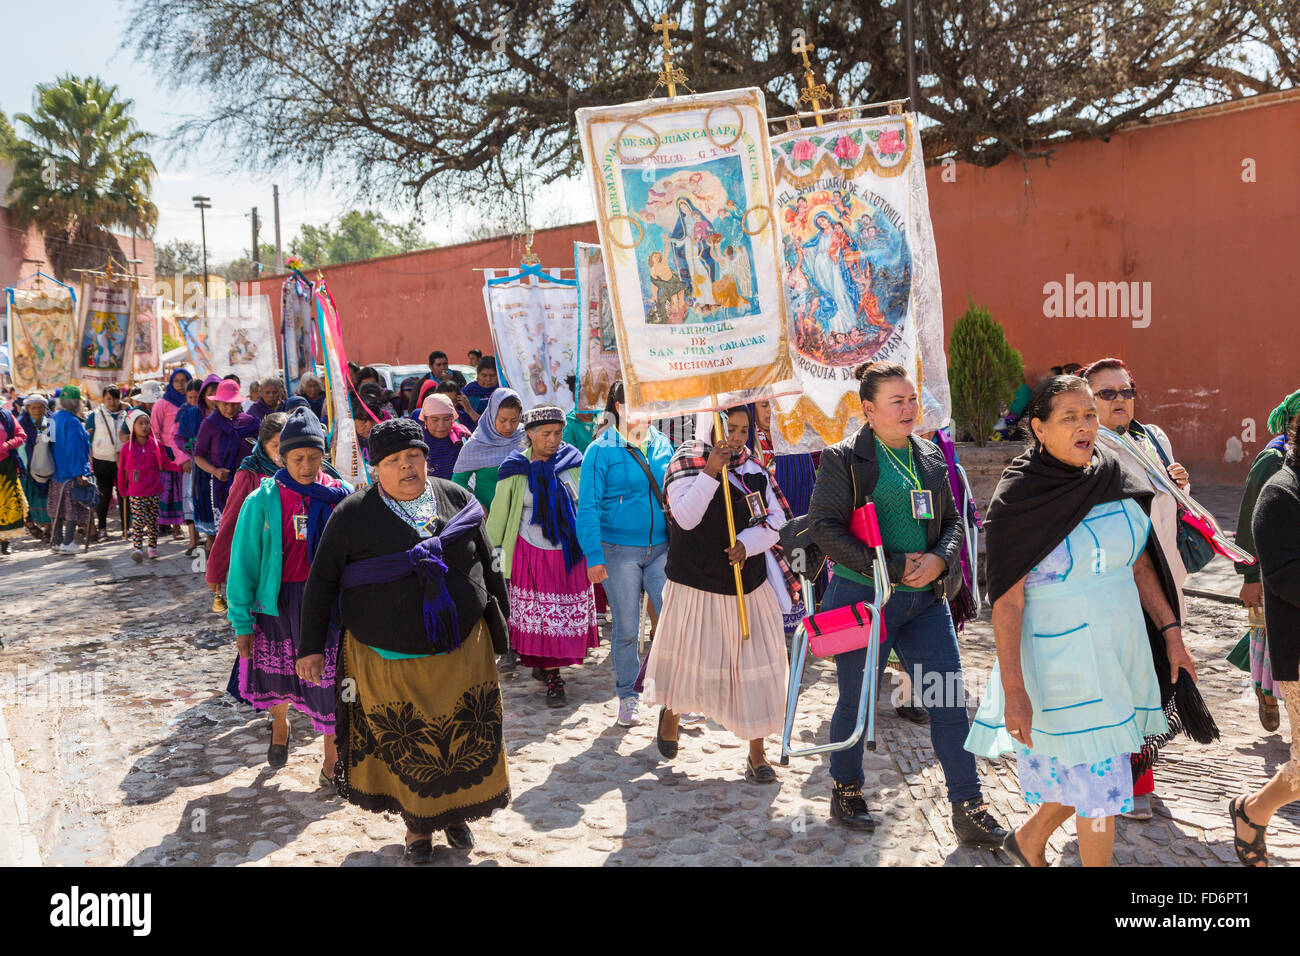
x=720, y=434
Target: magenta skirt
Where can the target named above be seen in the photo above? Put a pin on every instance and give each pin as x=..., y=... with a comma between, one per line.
x=552, y=610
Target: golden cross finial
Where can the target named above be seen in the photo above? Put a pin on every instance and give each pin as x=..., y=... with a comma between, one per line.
x=670, y=75
x=815, y=92
x=664, y=24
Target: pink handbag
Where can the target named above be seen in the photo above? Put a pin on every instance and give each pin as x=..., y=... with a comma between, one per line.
x=840, y=630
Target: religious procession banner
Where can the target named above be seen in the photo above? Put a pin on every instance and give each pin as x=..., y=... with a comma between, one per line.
x=345, y=450
x=147, y=360
x=860, y=269
x=597, y=343
x=106, y=334
x=535, y=333
x=193, y=327
x=691, y=249
x=42, y=329
x=241, y=336
x=297, y=330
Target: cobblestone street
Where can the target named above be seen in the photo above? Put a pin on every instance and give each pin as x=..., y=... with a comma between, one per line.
x=127, y=751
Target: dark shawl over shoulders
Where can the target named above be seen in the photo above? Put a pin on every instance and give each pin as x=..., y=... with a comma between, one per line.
x=1277, y=540
x=391, y=616
x=1040, y=500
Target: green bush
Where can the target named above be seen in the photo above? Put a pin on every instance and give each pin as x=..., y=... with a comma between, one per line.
x=983, y=372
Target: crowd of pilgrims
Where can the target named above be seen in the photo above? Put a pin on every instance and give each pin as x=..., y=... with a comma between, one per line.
x=492, y=537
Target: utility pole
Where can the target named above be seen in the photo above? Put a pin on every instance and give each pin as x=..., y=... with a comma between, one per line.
x=201, y=203
x=279, y=255
x=257, y=266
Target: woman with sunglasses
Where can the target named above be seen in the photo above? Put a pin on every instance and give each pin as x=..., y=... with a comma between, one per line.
x=1116, y=393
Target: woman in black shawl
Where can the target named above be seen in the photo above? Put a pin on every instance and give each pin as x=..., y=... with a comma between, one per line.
x=1089, y=644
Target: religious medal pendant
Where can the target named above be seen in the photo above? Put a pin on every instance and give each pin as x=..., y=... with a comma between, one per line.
x=757, y=507
x=922, y=504
x=300, y=527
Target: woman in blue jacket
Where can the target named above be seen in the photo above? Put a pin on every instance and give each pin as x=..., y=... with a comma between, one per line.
x=623, y=532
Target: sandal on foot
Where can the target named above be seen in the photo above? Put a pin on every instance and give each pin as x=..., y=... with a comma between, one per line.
x=760, y=772
x=666, y=747
x=1269, y=718
x=419, y=851
x=1249, y=852
x=1012, y=849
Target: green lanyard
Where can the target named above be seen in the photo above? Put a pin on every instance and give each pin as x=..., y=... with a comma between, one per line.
x=908, y=468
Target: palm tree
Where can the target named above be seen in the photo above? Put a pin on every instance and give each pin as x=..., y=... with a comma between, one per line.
x=81, y=172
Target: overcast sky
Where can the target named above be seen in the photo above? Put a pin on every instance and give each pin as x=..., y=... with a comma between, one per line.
x=84, y=37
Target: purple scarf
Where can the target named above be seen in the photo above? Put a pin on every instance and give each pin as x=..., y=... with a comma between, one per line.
x=441, y=623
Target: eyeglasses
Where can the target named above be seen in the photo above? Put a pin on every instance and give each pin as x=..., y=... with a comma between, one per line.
x=1110, y=394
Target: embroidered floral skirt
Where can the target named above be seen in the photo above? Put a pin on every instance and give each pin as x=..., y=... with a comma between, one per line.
x=1101, y=789
x=552, y=610
x=13, y=503
x=270, y=676
x=421, y=736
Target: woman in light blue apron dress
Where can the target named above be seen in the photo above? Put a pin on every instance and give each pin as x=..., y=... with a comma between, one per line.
x=1073, y=566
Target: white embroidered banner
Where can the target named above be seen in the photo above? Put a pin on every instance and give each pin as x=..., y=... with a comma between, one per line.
x=598, y=365
x=241, y=337
x=535, y=333
x=683, y=191
x=297, y=330
x=861, y=272
x=42, y=330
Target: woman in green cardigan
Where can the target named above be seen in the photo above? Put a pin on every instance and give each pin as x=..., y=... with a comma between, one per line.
x=534, y=522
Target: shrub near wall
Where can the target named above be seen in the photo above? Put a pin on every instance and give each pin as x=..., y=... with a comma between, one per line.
x=983, y=372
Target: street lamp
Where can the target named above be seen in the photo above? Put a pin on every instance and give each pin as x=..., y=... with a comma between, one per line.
x=201, y=203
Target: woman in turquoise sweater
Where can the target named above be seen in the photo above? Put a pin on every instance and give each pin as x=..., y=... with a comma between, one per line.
x=275, y=539
x=623, y=532
x=495, y=437
x=533, y=521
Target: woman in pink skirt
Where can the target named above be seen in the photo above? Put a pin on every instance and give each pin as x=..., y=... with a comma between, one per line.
x=533, y=521
x=699, y=661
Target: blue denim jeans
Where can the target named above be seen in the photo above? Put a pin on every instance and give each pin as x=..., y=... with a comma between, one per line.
x=632, y=569
x=918, y=627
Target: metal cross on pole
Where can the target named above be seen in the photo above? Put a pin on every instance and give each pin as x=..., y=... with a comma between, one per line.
x=814, y=92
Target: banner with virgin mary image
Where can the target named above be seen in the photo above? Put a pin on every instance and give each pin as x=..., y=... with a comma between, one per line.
x=241, y=336
x=534, y=323
x=106, y=336
x=690, y=245
x=597, y=343
x=148, y=337
x=861, y=273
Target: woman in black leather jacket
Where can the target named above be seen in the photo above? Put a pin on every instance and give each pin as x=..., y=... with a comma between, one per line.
x=907, y=478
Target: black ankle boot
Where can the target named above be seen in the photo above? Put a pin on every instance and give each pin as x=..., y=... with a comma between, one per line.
x=849, y=808
x=975, y=826
x=554, y=689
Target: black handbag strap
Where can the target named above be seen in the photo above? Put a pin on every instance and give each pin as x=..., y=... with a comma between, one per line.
x=817, y=631
x=654, y=485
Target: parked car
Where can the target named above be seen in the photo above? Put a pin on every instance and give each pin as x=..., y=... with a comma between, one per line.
x=394, y=375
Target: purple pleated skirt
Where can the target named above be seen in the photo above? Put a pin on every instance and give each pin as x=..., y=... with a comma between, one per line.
x=270, y=676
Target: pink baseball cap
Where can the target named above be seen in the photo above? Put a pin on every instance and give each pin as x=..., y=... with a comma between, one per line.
x=228, y=391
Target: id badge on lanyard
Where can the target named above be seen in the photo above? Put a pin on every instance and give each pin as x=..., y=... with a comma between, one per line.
x=300, y=527
x=922, y=504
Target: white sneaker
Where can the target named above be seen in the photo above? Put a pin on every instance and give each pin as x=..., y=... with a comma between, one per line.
x=69, y=548
x=627, y=712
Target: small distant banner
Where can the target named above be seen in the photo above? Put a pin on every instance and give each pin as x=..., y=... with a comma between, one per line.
x=193, y=327
x=691, y=249
x=345, y=450
x=297, y=330
x=535, y=333
x=598, y=367
x=106, y=333
x=241, y=336
x=148, y=337
x=42, y=329
x=861, y=273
